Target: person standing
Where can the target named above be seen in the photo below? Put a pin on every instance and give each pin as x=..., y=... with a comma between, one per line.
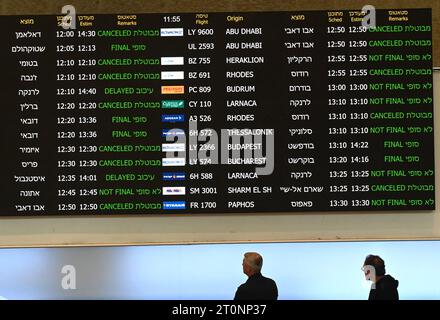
x=257, y=287
x=384, y=286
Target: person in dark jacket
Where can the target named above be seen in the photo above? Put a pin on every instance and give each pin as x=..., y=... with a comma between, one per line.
x=257, y=287
x=384, y=286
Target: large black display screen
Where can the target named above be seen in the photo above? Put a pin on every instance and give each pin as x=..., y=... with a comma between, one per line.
x=216, y=113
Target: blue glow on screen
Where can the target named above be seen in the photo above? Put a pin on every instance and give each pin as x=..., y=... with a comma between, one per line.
x=327, y=270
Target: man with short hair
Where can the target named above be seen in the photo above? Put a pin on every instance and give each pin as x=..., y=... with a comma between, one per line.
x=256, y=287
x=384, y=286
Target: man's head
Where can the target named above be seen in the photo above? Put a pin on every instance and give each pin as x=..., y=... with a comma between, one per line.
x=374, y=267
x=252, y=263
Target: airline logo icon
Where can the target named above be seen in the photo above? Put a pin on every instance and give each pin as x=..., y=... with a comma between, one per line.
x=173, y=117
x=173, y=191
x=172, y=132
x=172, y=75
x=173, y=147
x=172, y=89
x=173, y=162
x=171, y=32
x=171, y=61
x=173, y=205
x=173, y=176
x=173, y=104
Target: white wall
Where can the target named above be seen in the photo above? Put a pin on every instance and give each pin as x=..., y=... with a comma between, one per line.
x=186, y=272
x=225, y=227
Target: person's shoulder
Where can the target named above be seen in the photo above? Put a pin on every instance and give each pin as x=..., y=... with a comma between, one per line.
x=272, y=288
x=389, y=282
x=386, y=289
x=269, y=280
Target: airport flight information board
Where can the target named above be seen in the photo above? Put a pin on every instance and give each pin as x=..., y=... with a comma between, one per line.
x=216, y=113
